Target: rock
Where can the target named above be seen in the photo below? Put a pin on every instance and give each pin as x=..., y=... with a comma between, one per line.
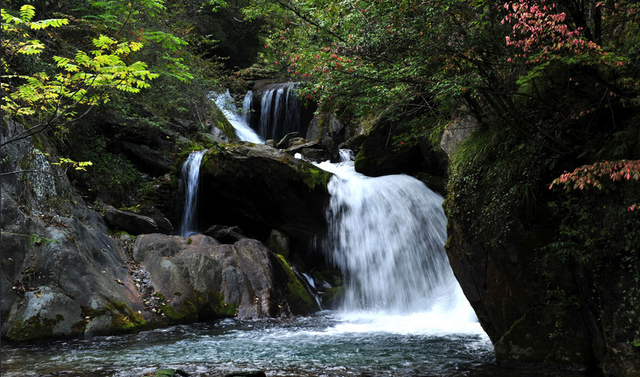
x=148, y=160
x=197, y=278
x=311, y=151
x=278, y=242
x=463, y=124
x=129, y=221
x=247, y=374
x=289, y=140
x=329, y=132
x=164, y=225
x=379, y=156
x=259, y=188
x=225, y=234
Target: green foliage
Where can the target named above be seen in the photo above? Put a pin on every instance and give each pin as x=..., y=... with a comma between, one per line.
x=598, y=237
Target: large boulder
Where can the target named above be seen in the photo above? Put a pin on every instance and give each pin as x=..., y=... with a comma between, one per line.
x=199, y=278
x=260, y=188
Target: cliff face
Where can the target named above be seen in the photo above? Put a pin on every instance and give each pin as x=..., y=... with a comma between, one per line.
x=551, y=275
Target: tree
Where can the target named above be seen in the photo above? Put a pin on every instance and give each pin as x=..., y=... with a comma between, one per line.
x=84, y=80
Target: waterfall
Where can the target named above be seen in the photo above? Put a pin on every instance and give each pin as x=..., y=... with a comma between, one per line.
x=246, y=107
x=189, y=185
x=387, y=235
x=238, y=121
x=279, y=112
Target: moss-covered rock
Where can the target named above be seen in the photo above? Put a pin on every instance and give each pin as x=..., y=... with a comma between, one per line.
x=549, y=274
x=299, y=299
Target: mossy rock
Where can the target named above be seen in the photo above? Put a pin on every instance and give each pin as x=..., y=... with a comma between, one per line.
x=299, y=299
x=33, y=328
x=124, y=319
x=333, y=297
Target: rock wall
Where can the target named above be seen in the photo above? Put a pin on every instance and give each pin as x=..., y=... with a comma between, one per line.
x=551, y=275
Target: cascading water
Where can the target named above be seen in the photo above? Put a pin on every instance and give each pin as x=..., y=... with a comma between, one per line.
x=189, y=187
x=387, y=235
x=279, y=112
x=238, y=121
x=246, y=107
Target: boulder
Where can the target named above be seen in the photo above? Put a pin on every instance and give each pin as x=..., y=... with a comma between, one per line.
x=197, y=278
x=379, y=156
x=63, y=276
x=260, y=188
x=225, y=234
x=148, y=160
x=130, y=222
x=462, y=125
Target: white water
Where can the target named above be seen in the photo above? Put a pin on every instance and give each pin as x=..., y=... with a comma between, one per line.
x=238, y=121
x=387, y=235
x=246, y=107
x=189, y=185
x=279, y=111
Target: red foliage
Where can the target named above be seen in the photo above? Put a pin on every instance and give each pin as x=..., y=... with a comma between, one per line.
x=590, y=175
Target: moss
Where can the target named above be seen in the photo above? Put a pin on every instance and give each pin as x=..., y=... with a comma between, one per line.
x=313, y=176
x=159, y=295
x=186, y=314
x=297, y=296
x=205, y=306
x=33, y=328
x=124, y=319
x=212, y=306
x=333, y=297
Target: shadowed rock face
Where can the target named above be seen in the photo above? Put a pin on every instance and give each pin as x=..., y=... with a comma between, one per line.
x=258, y=188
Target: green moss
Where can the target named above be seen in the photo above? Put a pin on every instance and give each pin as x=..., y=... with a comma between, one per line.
x=333, y=297
x=186, y=314
x=124, y=319
x=33, y=328
x=205, y=306
x=212, y=306
x=297, y=296
x=313, y=176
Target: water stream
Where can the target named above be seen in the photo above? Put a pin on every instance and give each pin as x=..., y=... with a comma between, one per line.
x=238, y=120
x=189, y=186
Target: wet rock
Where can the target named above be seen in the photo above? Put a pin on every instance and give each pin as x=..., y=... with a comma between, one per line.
x=247, y=374
x=129, y=221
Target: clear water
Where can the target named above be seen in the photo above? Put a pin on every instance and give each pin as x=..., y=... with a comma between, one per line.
x=328, y=344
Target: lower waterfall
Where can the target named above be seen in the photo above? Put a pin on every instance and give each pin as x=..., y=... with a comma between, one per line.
x=387, y=236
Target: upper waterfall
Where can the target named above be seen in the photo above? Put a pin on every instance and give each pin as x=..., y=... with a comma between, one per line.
x=279, y=111
x=238, y=121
